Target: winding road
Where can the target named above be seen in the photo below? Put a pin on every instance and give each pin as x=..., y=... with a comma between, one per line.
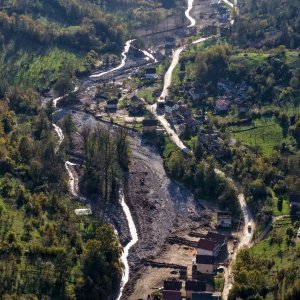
x=246, y=237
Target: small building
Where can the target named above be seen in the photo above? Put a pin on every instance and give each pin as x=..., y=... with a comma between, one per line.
x=206, y=296
x=137, y=105
x=149, y=125
x=222, y=105
x=169, y=40
x=207, y=247
x=168, y=49
x=83, y=211
x=112, y=104
x=150, y=73
x=161, y=103
x=222, y=13
x=171, y=295
x=205, y=264
x=172, y=285
x=192, y=286
x=224, y=219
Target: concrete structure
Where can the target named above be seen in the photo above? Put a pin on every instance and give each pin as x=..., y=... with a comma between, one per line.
x=205, y=264
x=224, y=219
x=206, y=296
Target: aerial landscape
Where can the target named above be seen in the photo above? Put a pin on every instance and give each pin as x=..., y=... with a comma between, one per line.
x=150, y=149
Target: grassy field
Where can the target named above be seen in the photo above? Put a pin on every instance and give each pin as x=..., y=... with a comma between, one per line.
x=267, y=249
x=146, y=94
x=265, y=134
x=46, y=68
x=253, y=59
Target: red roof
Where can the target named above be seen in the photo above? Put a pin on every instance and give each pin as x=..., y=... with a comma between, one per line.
x=222, y=104
x=207, y=244
x=171, y=295
x=217, y=237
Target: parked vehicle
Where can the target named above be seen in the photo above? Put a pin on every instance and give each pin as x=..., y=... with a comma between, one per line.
x=249, y=227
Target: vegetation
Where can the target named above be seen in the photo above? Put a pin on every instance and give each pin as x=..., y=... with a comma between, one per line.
x=270, y=269
x=41, y=38
x=46, y=251
x=267, y=24
x=197, y=172
x=107, y=155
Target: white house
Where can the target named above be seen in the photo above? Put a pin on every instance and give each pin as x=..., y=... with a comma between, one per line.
x=223, y=219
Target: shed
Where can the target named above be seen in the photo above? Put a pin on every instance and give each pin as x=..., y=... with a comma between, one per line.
x=224, y=219
x=112, y=104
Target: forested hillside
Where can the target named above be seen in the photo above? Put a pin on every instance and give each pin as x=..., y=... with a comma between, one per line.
x=267, y=24
x=46, y=251
x=40, y=38
x=139, y=13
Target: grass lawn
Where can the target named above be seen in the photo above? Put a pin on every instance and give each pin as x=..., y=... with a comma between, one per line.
x=272, y=251
x=219, y=282
x=249, y=59
x=146, y=94
x=169, y=147
x=285, y=209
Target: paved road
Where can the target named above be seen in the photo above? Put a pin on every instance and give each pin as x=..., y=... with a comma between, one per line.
x=246, y=235
x=229, y=3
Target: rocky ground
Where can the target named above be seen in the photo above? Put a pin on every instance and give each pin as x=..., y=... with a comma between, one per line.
x=160, y=208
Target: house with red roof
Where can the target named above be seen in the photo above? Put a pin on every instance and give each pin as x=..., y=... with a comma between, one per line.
x=207, y=247
x=222, y=104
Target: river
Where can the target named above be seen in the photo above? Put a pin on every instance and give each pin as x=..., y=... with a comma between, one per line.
x=187, y=13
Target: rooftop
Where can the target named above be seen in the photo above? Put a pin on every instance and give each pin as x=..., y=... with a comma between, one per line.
x=150, y=122
x=207, y=244
x=172, y=285
x=171, y=295
x=205, y=259
x=195, y=285
x=216, y=237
